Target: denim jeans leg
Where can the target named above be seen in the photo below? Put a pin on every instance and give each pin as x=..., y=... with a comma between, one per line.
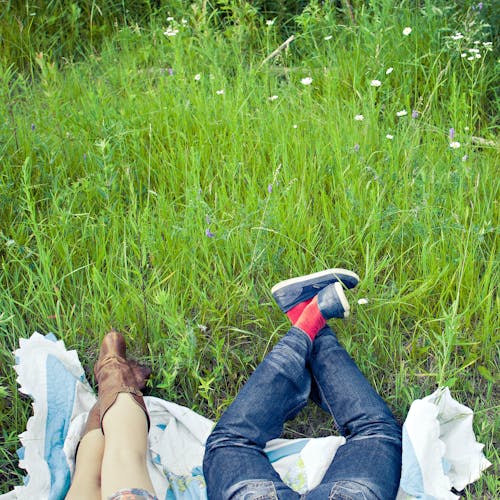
x=235, y=465
x=369, y=464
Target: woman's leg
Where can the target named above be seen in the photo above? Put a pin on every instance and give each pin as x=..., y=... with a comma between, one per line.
x=369, y=463
x=124, y=463
x=123, y=417
x=86, y=483
x=235, y=464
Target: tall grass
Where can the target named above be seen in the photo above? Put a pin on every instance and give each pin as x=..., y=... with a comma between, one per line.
x=158, y=187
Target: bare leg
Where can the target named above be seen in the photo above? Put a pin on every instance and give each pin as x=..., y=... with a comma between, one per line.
x=86, y=484
x=125, y=428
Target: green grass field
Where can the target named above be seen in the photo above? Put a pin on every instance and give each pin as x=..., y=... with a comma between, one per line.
x=161, y=184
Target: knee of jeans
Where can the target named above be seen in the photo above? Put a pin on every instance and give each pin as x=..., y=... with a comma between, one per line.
x=252, y=489
x=351, y=490
x=378, y=426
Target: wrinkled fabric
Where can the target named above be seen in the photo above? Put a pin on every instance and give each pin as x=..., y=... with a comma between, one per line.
x=54, y=378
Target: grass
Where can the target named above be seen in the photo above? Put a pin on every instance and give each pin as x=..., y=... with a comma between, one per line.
x=136, y=196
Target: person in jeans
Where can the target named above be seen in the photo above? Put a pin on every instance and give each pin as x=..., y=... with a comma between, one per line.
x=307, y=362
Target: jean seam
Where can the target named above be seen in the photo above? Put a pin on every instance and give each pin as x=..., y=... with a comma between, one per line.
x=294, y=409
x=327, y=404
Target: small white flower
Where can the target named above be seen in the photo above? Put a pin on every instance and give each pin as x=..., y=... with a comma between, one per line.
x=389, y=136
x=477, y=42
x=328, y=37
x=306, y=81
x=170, y=18
x=407, y=31
x=403, y=112
x=9, y=243
x=487, y=44
x=220, y=92
x=184, y=21
x=272, y=98
x=362, y=301
x=359, y=118
x=474, y=51
x=465, y=157
x=270, y=22
x=375, y=83
x=478, y=56
x=457, y=36
x=203, y=328
x=471, y=58
x=463, y=54
x=197, y=77
x=389, y=71
x=170, y=32
x=454, y=145
x=295, y=125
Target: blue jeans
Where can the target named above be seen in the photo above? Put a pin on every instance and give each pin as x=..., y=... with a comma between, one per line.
x=367, y=466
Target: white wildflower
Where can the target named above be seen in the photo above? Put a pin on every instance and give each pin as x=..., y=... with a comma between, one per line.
x=463, y=54
x=375, y=83
x=474, y=51
x=220, y=92
x=197, y=77
x=407, y=31
x=390, y=137
x=457, y=36
x=272, y=98
x=328, y=37
x=170, y=19
x=359, y=118
x=362, y=301
x=170, y=32
x=454, y=145
x=403, y=112
x=270, y=22
x=295, y=125
x=306, y=81
x=389, y=71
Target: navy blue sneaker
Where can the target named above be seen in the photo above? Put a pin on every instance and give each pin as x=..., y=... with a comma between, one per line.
x=332, y=302
x=289, y=293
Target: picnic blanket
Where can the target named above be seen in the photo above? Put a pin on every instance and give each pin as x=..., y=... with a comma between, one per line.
x=439, y=447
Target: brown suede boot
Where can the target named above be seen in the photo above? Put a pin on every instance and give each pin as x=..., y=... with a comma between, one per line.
x=93, y=420
x=93, y=423
x=115, y=373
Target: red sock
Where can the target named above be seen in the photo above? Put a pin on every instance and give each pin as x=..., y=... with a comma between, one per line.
x=311, y=321
x=295, y=312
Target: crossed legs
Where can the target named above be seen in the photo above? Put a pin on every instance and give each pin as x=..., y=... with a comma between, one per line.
x=366, y=467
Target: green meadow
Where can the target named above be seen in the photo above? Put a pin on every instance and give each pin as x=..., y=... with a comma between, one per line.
x=160, y=173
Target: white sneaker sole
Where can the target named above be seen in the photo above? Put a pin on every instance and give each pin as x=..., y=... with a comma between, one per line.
x=343, y=299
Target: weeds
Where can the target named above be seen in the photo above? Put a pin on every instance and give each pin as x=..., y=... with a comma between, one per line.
x=135, y=194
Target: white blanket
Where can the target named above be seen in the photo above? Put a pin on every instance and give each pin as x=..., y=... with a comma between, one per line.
x=439, y=447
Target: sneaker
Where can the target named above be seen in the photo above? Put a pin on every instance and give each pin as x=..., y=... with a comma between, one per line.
x=289, y=293
x=332, y=302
